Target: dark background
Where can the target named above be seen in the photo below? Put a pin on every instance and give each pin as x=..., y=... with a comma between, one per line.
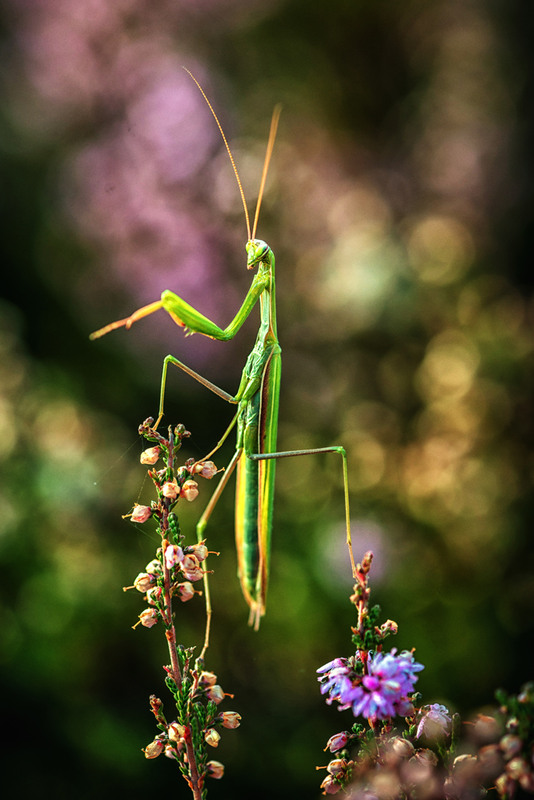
x=399, y=206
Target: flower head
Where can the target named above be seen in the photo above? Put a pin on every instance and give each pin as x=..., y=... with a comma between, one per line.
x=381, y=691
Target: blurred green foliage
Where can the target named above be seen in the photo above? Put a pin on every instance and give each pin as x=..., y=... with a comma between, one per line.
x=399, y=208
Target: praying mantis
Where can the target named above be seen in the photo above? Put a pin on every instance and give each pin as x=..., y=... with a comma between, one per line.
x=257, y=401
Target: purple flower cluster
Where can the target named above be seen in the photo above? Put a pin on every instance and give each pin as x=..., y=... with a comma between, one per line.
x=380, y=692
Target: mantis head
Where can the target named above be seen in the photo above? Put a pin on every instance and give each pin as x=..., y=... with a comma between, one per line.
x=257, y=251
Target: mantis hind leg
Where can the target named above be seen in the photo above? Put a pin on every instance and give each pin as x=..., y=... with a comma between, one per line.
x=332, y=449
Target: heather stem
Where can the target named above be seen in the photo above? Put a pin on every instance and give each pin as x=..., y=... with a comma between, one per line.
x=195, y=780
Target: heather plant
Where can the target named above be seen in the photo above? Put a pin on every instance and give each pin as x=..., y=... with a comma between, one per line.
x=399, y=747
x=412, y=750
x=171, y=576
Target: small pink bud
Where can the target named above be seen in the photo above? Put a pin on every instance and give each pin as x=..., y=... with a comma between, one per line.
x=148, y=617
x=206, y=469
x=199, y=550
x=208, y=678
x=154, y=567
x=337, y=766
x=185, y=591
x=505, y=785
x=190, y=561
x=517, y=767
x=230, y=719
x=143, y=582
x=215, y=769
x=193, y=574
x=215, y=693
x=150, y=455
x=154, y=749
x=526, y=781
x=330, y=785
x=171, y=751
x=170, y=490
x=511, y=745
x=212, y=737
x=141, y=513
x=191, y=567
x=389, y=626
x=337, y=741
x=174, y=555
x=153, y=596
x=189, y=490
x=402, y=748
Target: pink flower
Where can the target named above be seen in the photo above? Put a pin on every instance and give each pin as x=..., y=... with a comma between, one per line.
x=148, y=617
x=154, y=749
x=206, y=469
x=184, y=591
x=337, y=742
x=215, y=769
x=230, y=719
x=150, y=455
x=174, y=555
x=170, y=490
x=141, y=513
x=189, y=490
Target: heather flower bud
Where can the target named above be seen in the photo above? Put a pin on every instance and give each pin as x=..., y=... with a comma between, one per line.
x=190, y=561
x=174, y=555
x=176, y=732
x=486, y=728
x=143, y=582
x=389, y=626
x=150, y=455
x=526, y=781
x=193, y=574
x=185, y=591
x=208, y=678
x=153, y=596
x=510, y=745
x=212, y=737
x=215, y=693
x=154, y=749
x=206, y=469
x=330, y=785
x=191, y=567
x=402, y=748
x=337, y=742
x=366, y=562
x=170, y=490
x=199, y=550
x=434, y=722
x=154, y=567
x=215, y=769
x=505, y=785
x=337, y=766
x=230, y=719
x=141, y=513
x=189, y=490
x=516, y=768
x=148, y=617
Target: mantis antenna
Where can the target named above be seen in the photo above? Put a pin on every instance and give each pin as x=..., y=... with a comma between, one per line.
x=270, y=147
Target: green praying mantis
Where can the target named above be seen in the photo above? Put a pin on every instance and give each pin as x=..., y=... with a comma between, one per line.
x=257, y=401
